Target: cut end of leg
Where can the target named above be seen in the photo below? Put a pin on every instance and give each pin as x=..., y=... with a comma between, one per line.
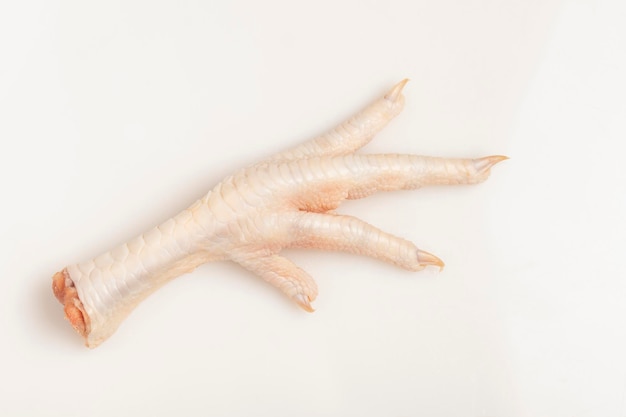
x=65, y=291
x=428, y=259
x=395, y=93
x=483, y=165
x=58, y=285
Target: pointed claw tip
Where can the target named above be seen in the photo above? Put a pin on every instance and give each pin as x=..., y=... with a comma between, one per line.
x=484, y=164
x=304, y=302
x=395, y=93
x=428, y=259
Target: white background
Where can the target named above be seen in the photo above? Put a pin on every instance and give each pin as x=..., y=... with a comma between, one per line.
x=116, y=115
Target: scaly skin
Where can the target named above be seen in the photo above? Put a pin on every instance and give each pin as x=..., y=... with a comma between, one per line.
x=284, y=201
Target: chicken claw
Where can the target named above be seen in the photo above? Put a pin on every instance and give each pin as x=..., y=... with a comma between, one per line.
x=285, y=201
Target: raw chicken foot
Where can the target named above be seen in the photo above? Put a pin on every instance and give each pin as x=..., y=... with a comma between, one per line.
x=283, y=202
